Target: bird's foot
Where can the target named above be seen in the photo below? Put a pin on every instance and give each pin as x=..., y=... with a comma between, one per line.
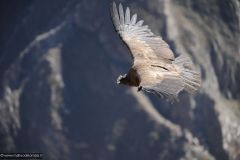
x=121, y=77
x=139, y=88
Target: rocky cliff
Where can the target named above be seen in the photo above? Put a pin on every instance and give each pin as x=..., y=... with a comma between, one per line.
x=59, y=62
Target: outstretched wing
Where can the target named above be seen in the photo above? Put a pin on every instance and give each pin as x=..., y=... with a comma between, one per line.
x=161, y=82
x=138, y=37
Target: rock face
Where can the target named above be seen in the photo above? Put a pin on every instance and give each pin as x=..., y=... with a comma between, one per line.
x=58, y=67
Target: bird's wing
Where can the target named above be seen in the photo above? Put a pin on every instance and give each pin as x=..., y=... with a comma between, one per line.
x=162, y=83
x=138, y=37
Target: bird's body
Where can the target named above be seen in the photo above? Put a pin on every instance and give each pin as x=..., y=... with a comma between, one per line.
x=154, y=69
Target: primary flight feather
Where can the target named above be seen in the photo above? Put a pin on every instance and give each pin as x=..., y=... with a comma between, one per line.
x=155, y=69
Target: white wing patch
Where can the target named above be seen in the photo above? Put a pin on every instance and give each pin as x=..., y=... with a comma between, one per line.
x=141, y=41
x=168, y=86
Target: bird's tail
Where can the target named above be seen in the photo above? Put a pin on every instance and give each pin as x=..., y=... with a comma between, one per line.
x=191, y=78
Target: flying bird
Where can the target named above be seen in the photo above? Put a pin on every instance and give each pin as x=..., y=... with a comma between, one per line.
x=155, y=68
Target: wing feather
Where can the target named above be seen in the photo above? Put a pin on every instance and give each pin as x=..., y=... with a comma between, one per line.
x=115, y=17
x=121, y=14
x=168, y=86
x=139, y=23
x=127, y=16
x=133, y=20
x=140, y=40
